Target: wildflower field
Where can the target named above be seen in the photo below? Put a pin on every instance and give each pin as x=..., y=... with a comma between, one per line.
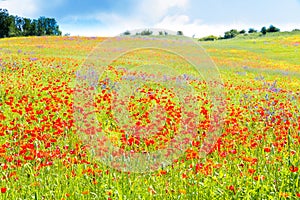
x=256, y=156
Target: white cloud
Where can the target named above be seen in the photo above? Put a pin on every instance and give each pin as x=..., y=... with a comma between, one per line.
x=182, y=23
x=24, y=8
x=156, y=9
x=29, y=8
x=144, y=15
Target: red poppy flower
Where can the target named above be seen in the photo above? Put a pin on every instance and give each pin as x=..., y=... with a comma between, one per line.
x=293, y=169
x=251, y=171
x=231, y=187
x=3, y=190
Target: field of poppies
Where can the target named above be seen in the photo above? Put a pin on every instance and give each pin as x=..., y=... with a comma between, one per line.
x=43, y=154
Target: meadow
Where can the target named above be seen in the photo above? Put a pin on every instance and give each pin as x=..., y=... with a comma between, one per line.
x=43, y=156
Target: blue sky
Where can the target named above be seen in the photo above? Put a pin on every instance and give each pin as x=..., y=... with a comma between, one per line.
x=193, y=17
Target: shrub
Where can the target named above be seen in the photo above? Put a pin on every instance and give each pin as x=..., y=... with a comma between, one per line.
x=273, y=29
x=252, y=30
x=126, y=33
x=179, y=33
x=263, y=30
x=146, y=32
x=209, y=38
x=231, y=34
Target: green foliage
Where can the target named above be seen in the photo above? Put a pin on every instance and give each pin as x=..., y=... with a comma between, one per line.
x=12, y=26
x=242, y=31
x=162, y=33
x=4, y=23
x=231, y=34
x=146, y=32
x=179, y=33
x=126, y=33
x=263, y=30
x=209, y=38
x=26, y=27
x=252, y=30
x=273, y=29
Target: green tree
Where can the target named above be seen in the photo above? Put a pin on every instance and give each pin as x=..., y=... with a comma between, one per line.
x=209, y=38
x=19, y=23
x=51, y=27
x=41, y=26
x=252, y=30
x=263, y=30
x=231, y=34
x=33, y=27
x=273, y=29
x=13, y=28
x=179, y=33
x=146, y=32
x=126, y=33
x=26, y=27
x=4, y=23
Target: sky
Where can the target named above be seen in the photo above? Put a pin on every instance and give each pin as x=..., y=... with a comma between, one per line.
x=196, y=18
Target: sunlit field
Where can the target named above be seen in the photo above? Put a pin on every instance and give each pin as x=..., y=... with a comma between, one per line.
x=43, y=156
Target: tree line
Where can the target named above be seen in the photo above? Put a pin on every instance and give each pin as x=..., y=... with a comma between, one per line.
x=227, y=35
x=13, y=26
x=234, y=32
x=149, y=32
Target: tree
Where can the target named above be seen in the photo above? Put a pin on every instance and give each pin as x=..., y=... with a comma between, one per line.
x=273, y=29
x=209, y=38
x=242, y=31
x=4, y=23
x=19, y=23
x=51, y=27
x=179, y=33
x=252, y=30
x=26, y=27
x=146, y=32
x=231, y=34
x=41, y=26
x=126, y=33
x=263, y=30
x=11, y=26
x=33, y=27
